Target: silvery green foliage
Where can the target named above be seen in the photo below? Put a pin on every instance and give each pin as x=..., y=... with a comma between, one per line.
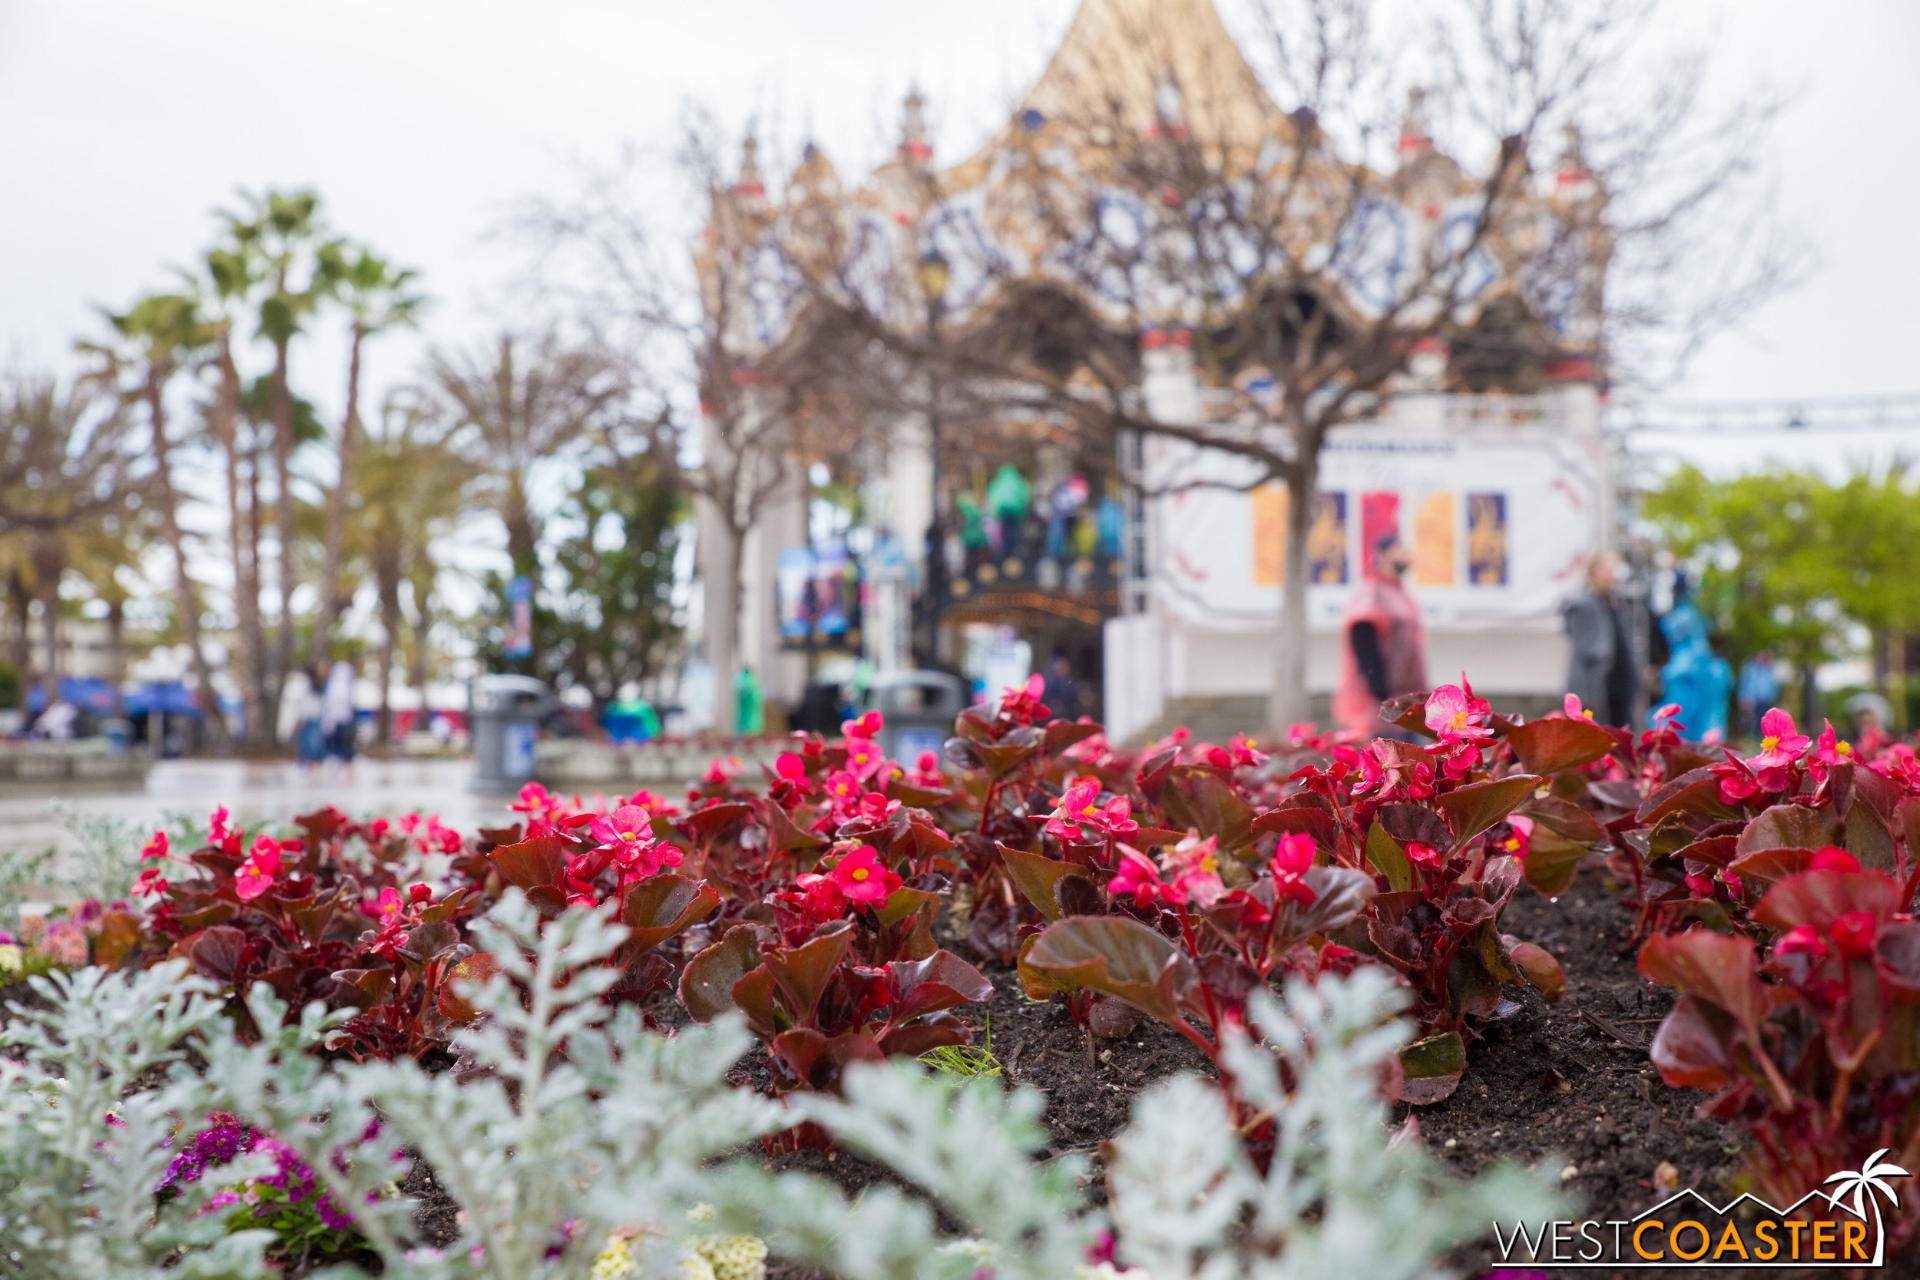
x=108, y=857
x=969, y=1146
x=630, y=1130
x=1340, y=1200
x=76, y=1188
x=615, y=1133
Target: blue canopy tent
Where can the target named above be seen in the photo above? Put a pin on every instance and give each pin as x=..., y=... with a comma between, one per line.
x=89, y=693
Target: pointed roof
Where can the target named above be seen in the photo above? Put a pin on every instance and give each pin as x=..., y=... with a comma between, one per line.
x=1145, y=59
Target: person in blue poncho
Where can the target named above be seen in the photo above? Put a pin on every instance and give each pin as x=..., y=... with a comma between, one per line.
x=1695, y=677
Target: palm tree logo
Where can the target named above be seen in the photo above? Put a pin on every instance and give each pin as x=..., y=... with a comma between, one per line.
x=1866, y=1187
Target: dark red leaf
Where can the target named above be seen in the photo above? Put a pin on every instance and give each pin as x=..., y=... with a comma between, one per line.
x=1548, y=746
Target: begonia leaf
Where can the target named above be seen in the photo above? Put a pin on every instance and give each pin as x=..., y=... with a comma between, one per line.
x=1818, y=898
x=1301, y=820
x=1115, y=955
x=475, y=971
x=1869, y=840
x=1712, y=966
x=1789, y=826
x=784, y=835
x=711, y=821
x=1694, y=1046
x=1035, y=877
x=1431, y=1068
x=1552, y=861
x=803, y=972
x=1389, y=859
x=707, y=981
x=1548, y=746
x=1697, y=791
x=1896, y=955
x=531, y=864
x=1766, y=866
x=941, y=981
x=1540, y=969
x=662, y=906
x=215, y=952
x=1478, y=805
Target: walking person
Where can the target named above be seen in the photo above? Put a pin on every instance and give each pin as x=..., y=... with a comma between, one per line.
x=337, y=726
x=1384, y=654
x=1757, y=690
x=1600, y=669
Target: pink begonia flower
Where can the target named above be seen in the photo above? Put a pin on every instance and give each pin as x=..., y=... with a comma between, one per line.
x=1573, y=708
x=861, y=877
x=624, y=828
x=1853, y=934
x=1832, y=858
x=1520, y=843
x=1080, y=802
x=790, y=767
x=1139, y=877
x=156, y=847
x=1195, y=865
x=867, y=726
x=1801, y=940
x=1291, y=860
x=864, y=758
x=256, y=874
x=1452, y=715
x=1829, y=750
x=389, y=905
x=1781, y=744
x=1424, y=855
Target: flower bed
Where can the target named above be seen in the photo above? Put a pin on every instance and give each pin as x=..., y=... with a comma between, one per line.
x=1037, y=907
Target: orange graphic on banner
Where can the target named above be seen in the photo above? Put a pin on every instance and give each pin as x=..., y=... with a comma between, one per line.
x=1433, y=554
x=1269, y=535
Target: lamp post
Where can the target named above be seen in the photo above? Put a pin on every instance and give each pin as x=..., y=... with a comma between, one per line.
x=932, y=272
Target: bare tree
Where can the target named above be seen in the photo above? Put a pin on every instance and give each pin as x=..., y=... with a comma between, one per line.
x=1605, y=212
x=757, y=414
x=519, y=406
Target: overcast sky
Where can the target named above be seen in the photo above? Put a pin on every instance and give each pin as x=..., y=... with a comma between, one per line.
x=125, y=123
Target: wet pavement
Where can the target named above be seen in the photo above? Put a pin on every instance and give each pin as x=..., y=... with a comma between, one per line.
x=256, y=792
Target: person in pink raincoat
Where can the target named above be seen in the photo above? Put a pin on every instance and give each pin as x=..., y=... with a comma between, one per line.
x=1383, y=649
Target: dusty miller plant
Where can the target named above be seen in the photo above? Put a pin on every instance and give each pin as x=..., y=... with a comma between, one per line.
x=82, y=1147
x=546, y=1152
x=581, y=1124
x=1340, y=1199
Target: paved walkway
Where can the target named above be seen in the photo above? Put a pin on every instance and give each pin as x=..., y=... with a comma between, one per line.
x=259, y=791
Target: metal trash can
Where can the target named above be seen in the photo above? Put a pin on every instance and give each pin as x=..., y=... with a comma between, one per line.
x=919, y=708
x=505, y=711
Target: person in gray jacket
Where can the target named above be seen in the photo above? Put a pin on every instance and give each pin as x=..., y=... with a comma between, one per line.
x=1601, y=671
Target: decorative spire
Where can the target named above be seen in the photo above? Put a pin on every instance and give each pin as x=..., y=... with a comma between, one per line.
x=749, y=184
x=914, y=147
x=1416, y=136
x=1572, y=179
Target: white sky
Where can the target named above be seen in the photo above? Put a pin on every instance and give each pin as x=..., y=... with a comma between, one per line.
x=125, y=123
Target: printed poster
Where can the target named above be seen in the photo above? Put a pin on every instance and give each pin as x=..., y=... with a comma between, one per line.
x=1487, y=539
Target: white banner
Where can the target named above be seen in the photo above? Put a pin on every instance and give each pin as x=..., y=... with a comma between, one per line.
x=1501, y=521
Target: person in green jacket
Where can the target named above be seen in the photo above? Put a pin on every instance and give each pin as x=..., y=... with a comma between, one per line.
x=749, y=705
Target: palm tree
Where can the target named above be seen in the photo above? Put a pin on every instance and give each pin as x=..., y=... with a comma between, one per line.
x=413, y=487
x=280, y=234
x=66, y=462
x=377, y=297
x=158, y=335
x=225, y=285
